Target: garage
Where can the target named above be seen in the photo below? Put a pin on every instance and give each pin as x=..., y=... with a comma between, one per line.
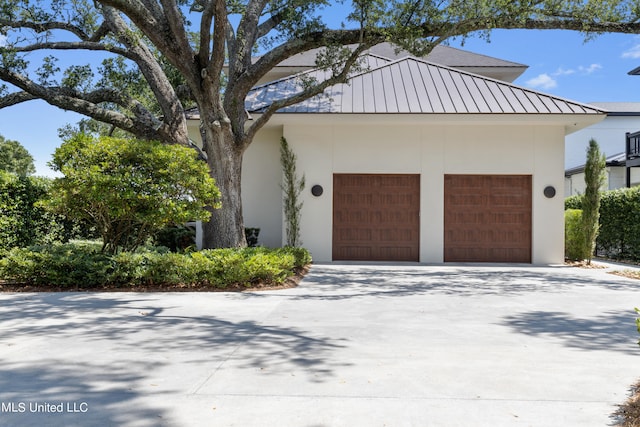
x=487, y=218
x=376, y=217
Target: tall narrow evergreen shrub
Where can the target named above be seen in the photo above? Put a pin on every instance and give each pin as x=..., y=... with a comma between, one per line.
x=594, y=176
x=292, y=187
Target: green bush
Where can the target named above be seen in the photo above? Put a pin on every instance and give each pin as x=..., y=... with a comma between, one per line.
x=301, y=256
x=573, y=202
x=574, y=239
x=22, y=221
x=60, y=265
x=620, y=224
x=129, y=189
x=76, y=265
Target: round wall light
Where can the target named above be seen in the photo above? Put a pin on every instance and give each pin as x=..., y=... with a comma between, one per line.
x=549, y=191
x=317, y=190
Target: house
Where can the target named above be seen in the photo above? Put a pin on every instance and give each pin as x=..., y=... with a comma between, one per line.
x=610, y=133
x=614, y=176
x=417, y=161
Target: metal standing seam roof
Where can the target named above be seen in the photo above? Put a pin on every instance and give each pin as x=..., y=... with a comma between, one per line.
x=445, y=55
x=412, y=85
x=619, y=159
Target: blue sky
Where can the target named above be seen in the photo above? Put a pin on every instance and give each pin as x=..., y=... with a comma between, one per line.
x=560, y=63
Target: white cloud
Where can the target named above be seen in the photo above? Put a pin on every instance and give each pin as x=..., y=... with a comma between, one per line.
x=590, y=69
x=3, y=40
x=633, y=53
x=543, y=81
x=563, y=72
x=547, y=81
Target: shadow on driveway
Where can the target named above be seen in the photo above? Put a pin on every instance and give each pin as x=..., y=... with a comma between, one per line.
x=128, y=323
x=334, y=283
x=609, y=331
x=87, y=393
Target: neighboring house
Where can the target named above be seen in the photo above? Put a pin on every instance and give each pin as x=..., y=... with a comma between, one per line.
x=610, y=134
x=615, y=176
x=416, y=162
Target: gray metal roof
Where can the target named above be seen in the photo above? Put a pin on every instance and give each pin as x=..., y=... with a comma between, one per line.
x=411, y=85
x=444, y=55
x=619, y=108
x=619, y=159
x=448, y=56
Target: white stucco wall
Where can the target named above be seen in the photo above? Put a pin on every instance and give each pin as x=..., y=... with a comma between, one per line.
x=370, y=144
x=367, y=145
x=261, y=193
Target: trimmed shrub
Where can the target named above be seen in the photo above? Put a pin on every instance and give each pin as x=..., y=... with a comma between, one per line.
x=301, y=256
x=76, y=265
x=573, y=202
x=620, y=224
x=574, y=238
x=61, y=265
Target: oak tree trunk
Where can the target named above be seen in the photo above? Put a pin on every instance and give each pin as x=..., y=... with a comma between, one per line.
x=225, y=229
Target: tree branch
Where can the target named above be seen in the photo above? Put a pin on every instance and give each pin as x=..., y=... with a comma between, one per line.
x=41, y=27
x=174, y=21
x=306, y=93
x=16, y=98
x=81, y=45
x=158, y=82
x=205, y=34
x=216, y=63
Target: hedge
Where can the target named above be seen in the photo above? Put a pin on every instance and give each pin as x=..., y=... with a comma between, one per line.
x=77, y=266
x=22, y=222
x=619, y=235
x=574, y=241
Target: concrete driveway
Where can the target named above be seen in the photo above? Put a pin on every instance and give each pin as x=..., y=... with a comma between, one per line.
x=354, y=345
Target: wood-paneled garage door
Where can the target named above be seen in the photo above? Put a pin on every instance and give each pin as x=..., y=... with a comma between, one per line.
x=487, y=218
x=376, y=217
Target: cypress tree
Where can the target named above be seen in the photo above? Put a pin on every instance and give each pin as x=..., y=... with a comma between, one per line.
x=594, y=176
x=292, y=187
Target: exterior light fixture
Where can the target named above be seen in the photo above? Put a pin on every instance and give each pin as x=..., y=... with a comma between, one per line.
x=317, y=190
x=549, y=191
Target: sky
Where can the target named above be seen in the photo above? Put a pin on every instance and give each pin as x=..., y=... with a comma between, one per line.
x=561, y=63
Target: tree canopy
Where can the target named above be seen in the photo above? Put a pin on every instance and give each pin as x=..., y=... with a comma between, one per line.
x=15, y=158
x=129, y=189
x=160, y=57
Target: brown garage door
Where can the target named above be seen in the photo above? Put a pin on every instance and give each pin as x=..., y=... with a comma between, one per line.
x=487, y=218
x=376, y=217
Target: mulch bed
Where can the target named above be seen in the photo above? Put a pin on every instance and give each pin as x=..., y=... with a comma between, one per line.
x=583, y=264
x=631, y=274
x=629, y=412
